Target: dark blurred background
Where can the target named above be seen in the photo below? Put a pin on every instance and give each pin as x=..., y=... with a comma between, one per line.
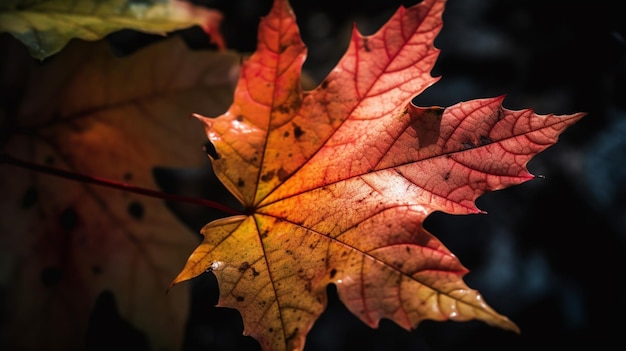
x=550, y=253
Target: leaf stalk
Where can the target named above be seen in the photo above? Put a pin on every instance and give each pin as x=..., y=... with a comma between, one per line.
x=10, y=160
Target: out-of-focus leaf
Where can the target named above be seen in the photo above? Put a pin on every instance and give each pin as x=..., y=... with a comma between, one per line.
x=63, y=244
x=46, y=26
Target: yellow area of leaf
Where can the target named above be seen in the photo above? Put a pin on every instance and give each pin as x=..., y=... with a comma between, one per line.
x=64, y=244
x=46, y=26
x=337, y=182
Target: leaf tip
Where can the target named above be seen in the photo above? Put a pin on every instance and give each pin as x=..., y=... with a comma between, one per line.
x=180, y=278
x=198, y=116
x=174, y=283
x=510, y=326
x=500, y=98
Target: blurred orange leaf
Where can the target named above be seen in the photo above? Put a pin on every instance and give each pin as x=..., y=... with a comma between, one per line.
x=65, y=245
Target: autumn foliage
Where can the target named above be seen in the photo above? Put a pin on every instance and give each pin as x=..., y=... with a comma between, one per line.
x=338, y=181
x=335, y=182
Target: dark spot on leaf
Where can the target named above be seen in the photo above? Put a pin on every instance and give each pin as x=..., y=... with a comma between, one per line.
x=271, y=330
x=30, y=197
x=289, y=252
x=485, y=140
x=68, y=219
x=51, y=276
x=286, y=134
x=282, y=174
x=324, y=84
x=284, y=108
x=242, y=268
x=239, y=118
x=446, y=176
x=240, y=183
x=282, y=48
x=239, y=298
x=267, y=176
x=128, y=176
x=210, y=150
x=264, y=234
x=468, y=145
x=136, y=210
x=297, y=131
x=254, y=272
x=366, y=45
x=500, y=114
x=333, y=272
x=370, y=170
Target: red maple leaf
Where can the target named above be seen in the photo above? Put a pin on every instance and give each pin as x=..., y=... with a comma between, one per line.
x=338, y=181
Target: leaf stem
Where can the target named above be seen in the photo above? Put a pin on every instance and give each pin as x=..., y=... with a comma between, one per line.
x=4, y=158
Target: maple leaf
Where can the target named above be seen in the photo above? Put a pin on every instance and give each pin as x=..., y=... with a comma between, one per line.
x=337, y=182
x=46, y=26
x=65, y=245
